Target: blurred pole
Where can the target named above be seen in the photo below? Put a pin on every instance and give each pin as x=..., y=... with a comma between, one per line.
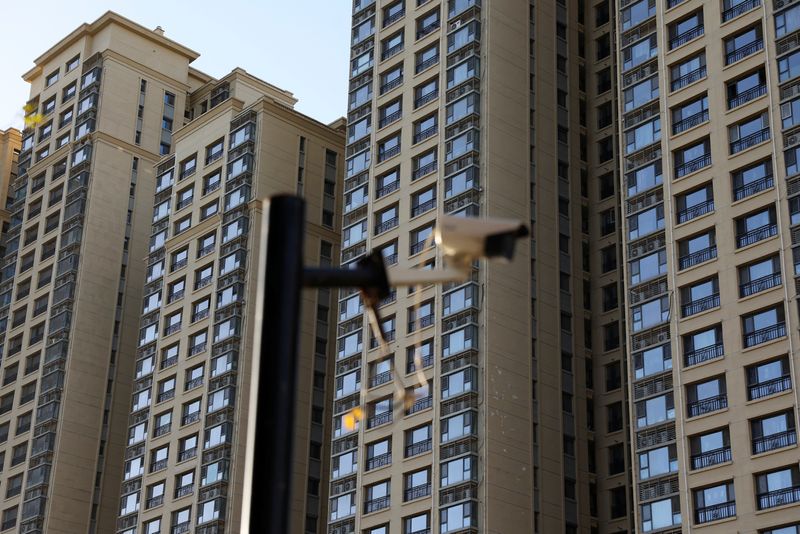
x=277, y=377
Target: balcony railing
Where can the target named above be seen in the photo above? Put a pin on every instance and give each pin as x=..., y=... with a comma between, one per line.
x=686, y=36
x=700, y=305
x=432, y=27
x=747, y=96
x=380, y=378
x=744, y=51
x=771, y=499
x=385, y=226
x=753, y=187
x=423, y=322
x=376, y=504
x=739, y=9
x=393, y=18
x=423, y=170
x=769, y=387
x=696, y=258
x=418, y=448
x=759, y=284
x=426, y=361
x=388, y=188
x=689, y=78
x=425, y=134
x=416, y=248
x=391, y=51
x=763, y=335
x=750, y=141
x=379, y=461
x=387, y=153
x=388, y=86
x=673, y=3
x=692, y=165
x=417, y=492
x=715, y=512
x=695, y=211
x=420, y=404
x=705, y=406
x=774, y=441
x=424, y=99
x=690, y=122
x=379, y=419
x=390, y=118
x=424, y=65
x=755, y=235
x=709, y=458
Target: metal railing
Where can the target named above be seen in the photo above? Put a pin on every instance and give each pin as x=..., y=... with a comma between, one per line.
x=697, y=210
x=686, y=36
x=750, y=141
x=420, y=447
x=417, y=492
x=388, y=86
x=425, y=134
x=380, y=378
x=385, y=226
x=688, y=78
x=379, y=419
x=394, y=18
x=424, y=99
x=390, y=118
x=751, y=188
x=739, y=9
x=771, y=499
x=704, y=406
x=715, y=512
x=376, y=504
x=391, y=51
x=763, y=335
x=424, y=65
x=700, y=305
x=747, y=96
x=696, y=258
x=387, y=153
x=690, y=122
x=759, y=284
x=756, y=234
x=774, y=441
x=744, y=51
x=379, y=461
x=709, y=458
x=693, y=165
x=420, y=404
x=769, y=387
x=423, y=170
x=422, y=208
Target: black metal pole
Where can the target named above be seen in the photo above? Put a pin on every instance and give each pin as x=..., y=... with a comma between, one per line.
x=274, y=431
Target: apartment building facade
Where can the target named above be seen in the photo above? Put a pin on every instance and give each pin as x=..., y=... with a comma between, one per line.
x=481, y=108
x=108, y=103
x=184, y=462
x=10, y=142
x=709, y=178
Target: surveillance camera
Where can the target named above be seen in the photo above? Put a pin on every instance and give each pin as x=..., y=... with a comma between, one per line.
x=465, y=239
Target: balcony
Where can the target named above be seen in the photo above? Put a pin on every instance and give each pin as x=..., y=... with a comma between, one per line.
x=425, y=134
x=152, y=502
x=387, y=153
x=418, y=448
x=391, y=187
x=704, y=406
x=688, y=78
x=376, y=504
x=425, y=65
x=388, y=86
x=426, y=361
x=420, y=404
x=770, y=387
x=685, y=37
x=690, y=122
x=709, y=458
x=424, y=99
x=756, y=186
x=379, y=461
x=391, y=51
x=385, y=226
x=379, y=419
x=744, y=51
x=695, y=211
x=693, y=165
x=423, y=322
x=181, y=528
x=764, y=335
x=739, y=9
x=416, y=248
x=755, y=235
x=749, y=141
x=390, y=118
x=759, y=284
x=190, y=418
x=696, y=258
x=430, y=28
x=715, y=512
x=391, y=19
x=747, y=96
x=778, y=440
x=772, y=499
x=380, y=378
x=417, y=492
x=700, y=305
x=423, y=170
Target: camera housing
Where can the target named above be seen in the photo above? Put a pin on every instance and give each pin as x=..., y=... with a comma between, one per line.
x=464, y=240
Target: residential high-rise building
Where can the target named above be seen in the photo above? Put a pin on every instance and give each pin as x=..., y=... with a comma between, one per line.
x=120, y=123
x=711, y=257
x=10, y=142
x=184, y=462
x=500, y=109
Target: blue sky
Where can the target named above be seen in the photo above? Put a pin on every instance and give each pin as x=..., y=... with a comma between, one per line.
x=299, y=45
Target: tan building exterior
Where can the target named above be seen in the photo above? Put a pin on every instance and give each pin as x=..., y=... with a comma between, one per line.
x=10, y=142
x=184, y=464
x=114, y=109
x=480, y=108
x=709, y=176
